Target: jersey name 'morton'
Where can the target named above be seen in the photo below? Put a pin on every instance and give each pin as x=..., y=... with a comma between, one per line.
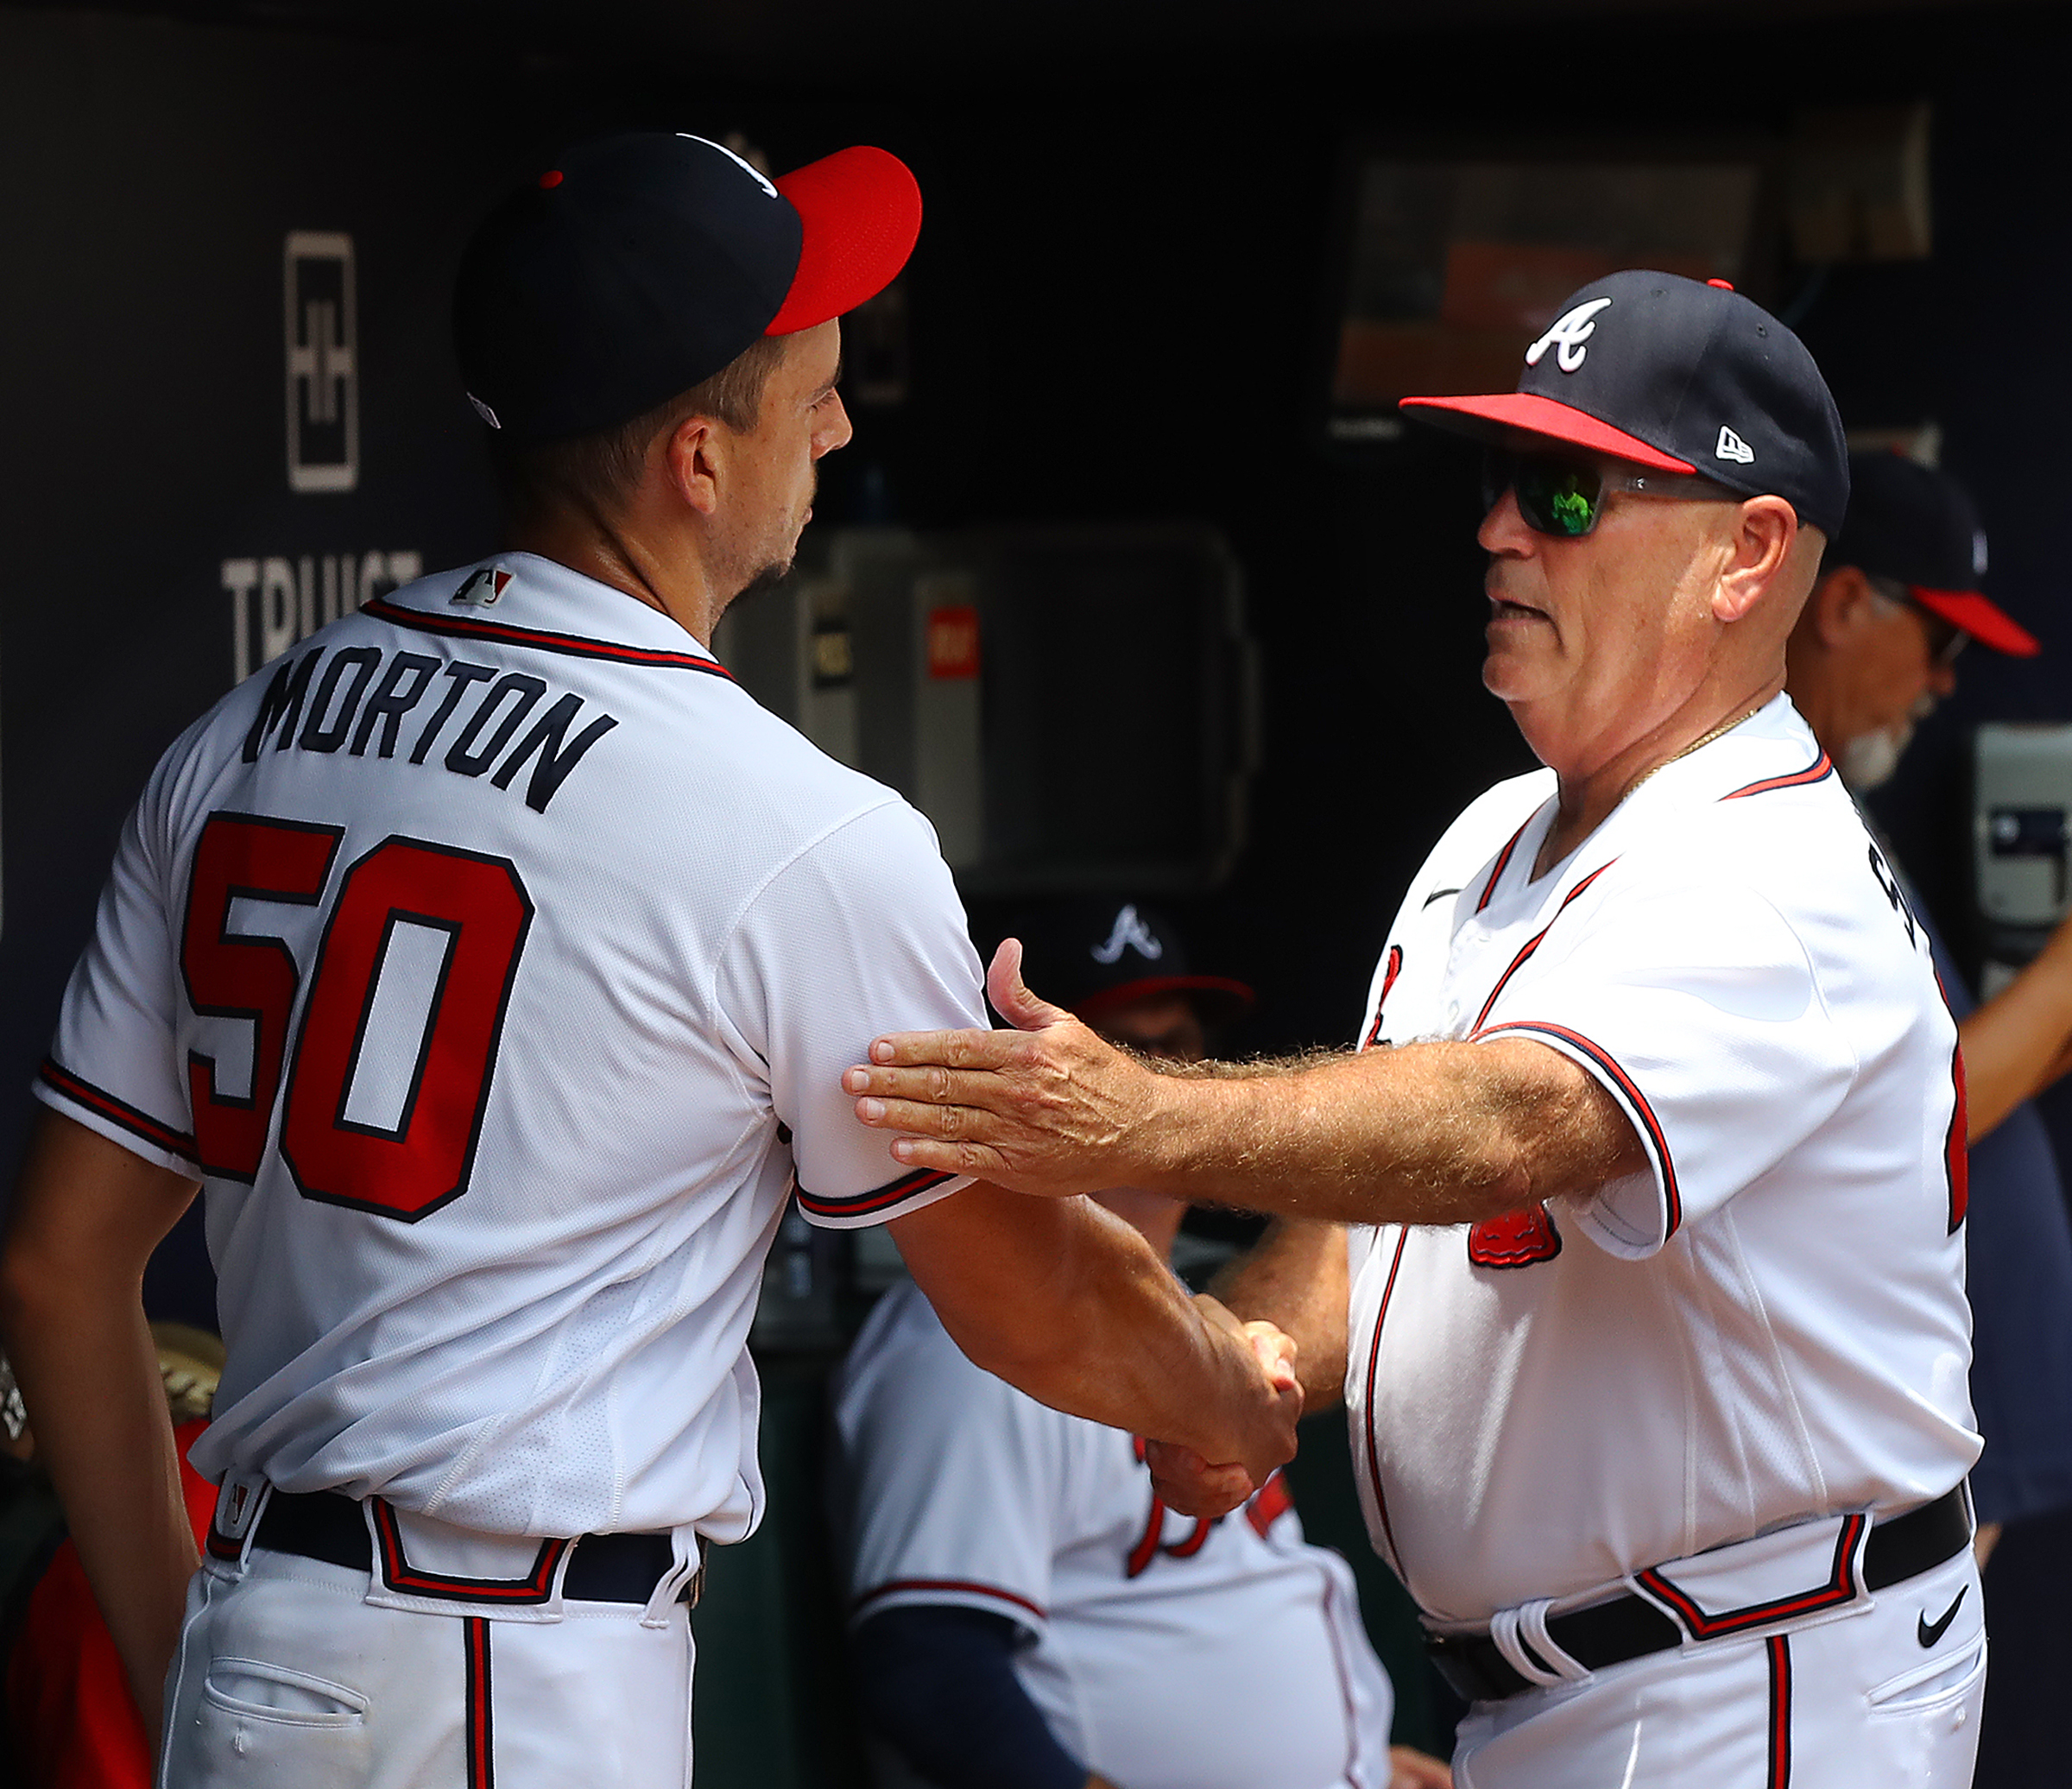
x=359, y=705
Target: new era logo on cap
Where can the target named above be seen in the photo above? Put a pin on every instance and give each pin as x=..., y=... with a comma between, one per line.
x=1732, y=447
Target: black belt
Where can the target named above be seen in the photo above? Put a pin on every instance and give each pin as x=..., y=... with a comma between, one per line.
x=331, y=1526
x=1631, y=1626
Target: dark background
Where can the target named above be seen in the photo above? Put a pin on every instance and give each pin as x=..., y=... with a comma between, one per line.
x=1121, y=310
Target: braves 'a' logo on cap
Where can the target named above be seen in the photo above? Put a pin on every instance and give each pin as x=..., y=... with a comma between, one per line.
x=1129, y=930
x=761, y=179
x=1572, y=330
x=1732, y=447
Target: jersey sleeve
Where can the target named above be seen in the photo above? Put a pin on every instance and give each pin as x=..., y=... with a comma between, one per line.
x=114, y=1063
x=860, y=934
x=951, y=1482
x=1694, y=1006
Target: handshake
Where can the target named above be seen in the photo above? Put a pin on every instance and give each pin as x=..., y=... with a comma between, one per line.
x=1050, y=1108
x=1266, y=1403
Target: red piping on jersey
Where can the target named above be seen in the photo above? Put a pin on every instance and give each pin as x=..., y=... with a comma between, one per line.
x=1532, y=942
x=574, y=646
x=898, y=1584
x=1503, y=858
x=1821, y=766
x=1270, y=1503
x=399, y=1574
x=1671, y=1195
x=117, y=1111
x=1840, y=1587
x=1779, y=1646
x=481, y=1763
x=904, y=1187
x=1374, y=1358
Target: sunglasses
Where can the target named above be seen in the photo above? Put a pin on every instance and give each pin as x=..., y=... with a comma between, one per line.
x=1563, y=497
x=1945, y=638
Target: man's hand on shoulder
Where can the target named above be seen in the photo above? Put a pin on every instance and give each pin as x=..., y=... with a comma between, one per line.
x=1046, y=1108
x=1194, y=1486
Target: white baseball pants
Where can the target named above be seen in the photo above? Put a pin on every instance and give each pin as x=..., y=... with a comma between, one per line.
x=1860, y=1700
x=287, y=1676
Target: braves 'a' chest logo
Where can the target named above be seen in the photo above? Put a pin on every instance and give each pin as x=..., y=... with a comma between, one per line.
x=1388, y=980
x=1518, y=1239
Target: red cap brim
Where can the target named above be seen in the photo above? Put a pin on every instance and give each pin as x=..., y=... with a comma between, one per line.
x=862, y=212
x=1988, y=624
x=1488, y=419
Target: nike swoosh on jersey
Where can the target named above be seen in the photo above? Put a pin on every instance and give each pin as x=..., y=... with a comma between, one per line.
x=1928, y=1633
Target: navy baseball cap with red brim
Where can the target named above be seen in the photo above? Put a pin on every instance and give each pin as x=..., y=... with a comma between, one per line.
x=1092, y=956
x=638, y=266
x=1679, y=376
x=1917, y=526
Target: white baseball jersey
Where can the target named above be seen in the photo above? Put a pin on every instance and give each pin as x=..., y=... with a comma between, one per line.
x=1166, y=1653
x=1770, y=1322
x=495, y=958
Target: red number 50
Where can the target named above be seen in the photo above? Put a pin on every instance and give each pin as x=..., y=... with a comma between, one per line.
x=422, y=1161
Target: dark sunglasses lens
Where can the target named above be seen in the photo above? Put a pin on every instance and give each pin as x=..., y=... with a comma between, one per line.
x=1499, y=469
x=1557, y=498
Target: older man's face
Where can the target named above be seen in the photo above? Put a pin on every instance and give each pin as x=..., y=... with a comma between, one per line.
x=1593, y=642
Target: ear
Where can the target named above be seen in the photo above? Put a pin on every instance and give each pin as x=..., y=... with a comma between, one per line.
x=690, y=457
x=1839, y=605
x=1764, y=532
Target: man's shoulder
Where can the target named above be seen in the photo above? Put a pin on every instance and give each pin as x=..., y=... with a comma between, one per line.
x=1483, y=828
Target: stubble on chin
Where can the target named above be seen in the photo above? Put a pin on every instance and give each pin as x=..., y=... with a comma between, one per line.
x=768, y=579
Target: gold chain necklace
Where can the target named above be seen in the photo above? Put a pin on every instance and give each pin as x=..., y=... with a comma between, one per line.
x=1696, y=744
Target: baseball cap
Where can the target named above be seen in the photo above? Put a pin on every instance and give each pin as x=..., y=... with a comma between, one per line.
x=1094, y=955
x=639, y=264
x=1683, y=375
x=1915, y=525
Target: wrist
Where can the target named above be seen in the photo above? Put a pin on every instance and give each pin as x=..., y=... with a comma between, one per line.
x=1189, y=1118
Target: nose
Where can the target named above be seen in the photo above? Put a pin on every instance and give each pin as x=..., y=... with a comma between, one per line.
x=1942, y=680
x=836, y=431
x=1503, y=529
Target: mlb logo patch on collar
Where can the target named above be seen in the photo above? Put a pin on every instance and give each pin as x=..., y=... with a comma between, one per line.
x=483, y=588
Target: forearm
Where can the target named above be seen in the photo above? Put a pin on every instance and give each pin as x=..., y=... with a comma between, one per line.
x=89, y=1374
x=1295, y=1277
x=1068, y=1303
x=86, y=1216
x=1426, y=1133
x=2015, y=1044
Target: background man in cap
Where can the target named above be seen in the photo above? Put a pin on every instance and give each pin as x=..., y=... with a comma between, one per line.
x=494, y=960
x=1657, y=1330
x=1876, y=645
x=1026, y=1612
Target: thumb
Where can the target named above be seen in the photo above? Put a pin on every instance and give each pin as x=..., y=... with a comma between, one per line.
x=1010, y=996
